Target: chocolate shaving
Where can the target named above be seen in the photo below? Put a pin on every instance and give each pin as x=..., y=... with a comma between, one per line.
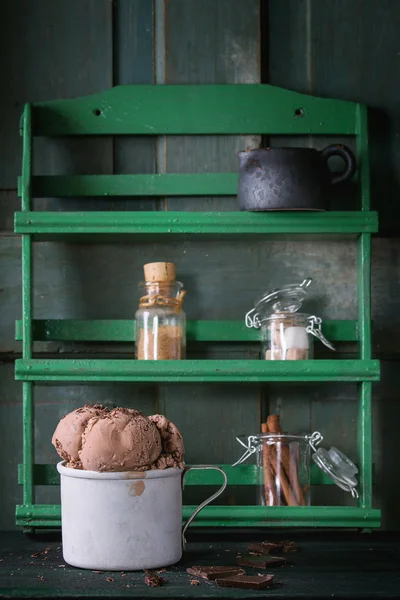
x=194, y=582
x=260, y=562
x=268, y=547
x=110, y=579
x=212, y=573
x=152, y=580
x=289, y=547
x=249, y=582
x=265, y=547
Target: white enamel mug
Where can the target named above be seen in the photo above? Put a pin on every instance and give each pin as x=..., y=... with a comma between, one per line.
x=125, y=521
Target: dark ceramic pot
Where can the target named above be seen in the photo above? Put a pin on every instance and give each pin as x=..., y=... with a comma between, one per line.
x=290, y=178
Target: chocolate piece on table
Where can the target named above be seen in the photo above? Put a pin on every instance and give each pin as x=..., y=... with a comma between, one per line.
x=257, y=548
x=212, y=573
x=289, y=547
x=152, y=580
x=260, y=562
x=265, y=547
x=249, y=582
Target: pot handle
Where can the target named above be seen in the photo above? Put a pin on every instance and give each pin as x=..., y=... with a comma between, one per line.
x=346, y=154
x=210, y=499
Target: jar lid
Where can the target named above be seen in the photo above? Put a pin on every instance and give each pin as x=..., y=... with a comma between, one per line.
x=338, y=467
x=285, y=299
x=282, y=300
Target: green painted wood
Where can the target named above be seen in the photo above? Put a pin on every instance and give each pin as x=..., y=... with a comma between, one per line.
x=24, y=183
x=233, y=223
x=199, y=331
x=28, y=449
x=242, y=475
x=164, y=184
x=235, y=516
x=364, y=293
x=363, y=156
x=101, y=112
x=287, y=516
x=214, y=109
x=185, y=371
x=364, y=443
x=364, y=429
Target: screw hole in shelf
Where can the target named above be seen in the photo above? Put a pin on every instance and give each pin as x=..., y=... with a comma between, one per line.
x=299, y=112
x=97, y=112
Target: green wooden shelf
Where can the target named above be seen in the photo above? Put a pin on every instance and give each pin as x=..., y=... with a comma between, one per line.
x=189, y=371
x=243, y=475
x=123, y=330
x=203, y=110
x=196, y=223
x=49, y=515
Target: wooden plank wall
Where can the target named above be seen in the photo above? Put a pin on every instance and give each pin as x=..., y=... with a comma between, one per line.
x=63, y=49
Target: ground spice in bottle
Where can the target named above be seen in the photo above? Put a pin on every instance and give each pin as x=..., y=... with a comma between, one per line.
x=167, y=344
x=160, y=319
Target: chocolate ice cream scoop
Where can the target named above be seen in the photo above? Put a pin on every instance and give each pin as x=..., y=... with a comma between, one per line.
x=171, y=437
x=121, y=440
x=67, y=438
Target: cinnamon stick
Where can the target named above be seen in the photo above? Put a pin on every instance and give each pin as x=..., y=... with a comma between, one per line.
x=294, y=477
x=288, y=462
x=277, y=465
x=273, y=467
x=269, y=482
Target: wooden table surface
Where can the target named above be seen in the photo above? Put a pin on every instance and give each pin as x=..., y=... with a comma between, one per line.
x=327, y=565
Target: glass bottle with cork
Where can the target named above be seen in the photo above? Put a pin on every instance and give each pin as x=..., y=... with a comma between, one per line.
x=160, y=319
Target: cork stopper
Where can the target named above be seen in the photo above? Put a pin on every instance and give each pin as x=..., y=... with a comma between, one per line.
x=159, y=272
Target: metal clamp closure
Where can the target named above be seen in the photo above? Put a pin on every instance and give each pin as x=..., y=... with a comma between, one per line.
x=315, y=329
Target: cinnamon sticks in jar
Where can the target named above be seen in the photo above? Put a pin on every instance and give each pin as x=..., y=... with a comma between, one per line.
x=281, y=467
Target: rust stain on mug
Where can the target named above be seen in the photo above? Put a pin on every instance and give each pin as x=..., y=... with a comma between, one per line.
x=136, y=488
x=135, y=474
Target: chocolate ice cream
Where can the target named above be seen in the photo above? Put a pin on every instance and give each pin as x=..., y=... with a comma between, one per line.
x=122, y=440
x=173, y=449
x=97, y=439
x=67, y=437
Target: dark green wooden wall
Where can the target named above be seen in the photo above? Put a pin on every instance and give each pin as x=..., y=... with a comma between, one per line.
x=53, y=49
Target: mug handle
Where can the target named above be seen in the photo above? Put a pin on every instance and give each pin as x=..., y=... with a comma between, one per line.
x=208, y=500
x=346, y=154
